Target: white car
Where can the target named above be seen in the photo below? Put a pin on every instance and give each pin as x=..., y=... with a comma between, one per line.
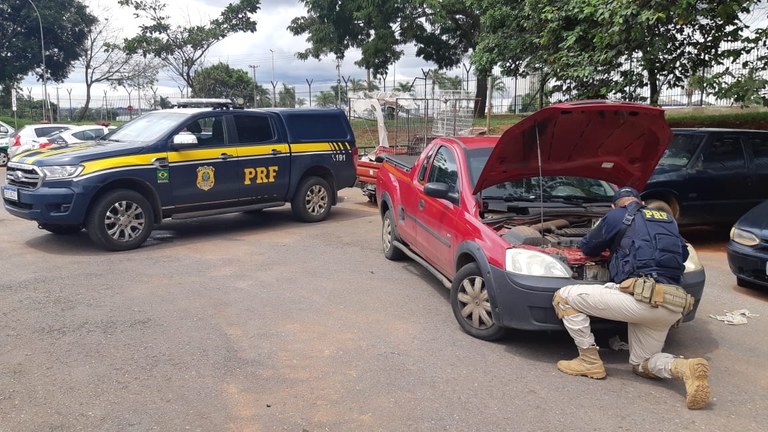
x=6, y=132
x=26, y=137
x=74, y=135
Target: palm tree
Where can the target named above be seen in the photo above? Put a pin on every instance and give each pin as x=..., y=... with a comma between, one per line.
x=326, y=99
x=287, y=97
x=403, y=86
x=497, y=85
x=300, y=102
x=357, y=85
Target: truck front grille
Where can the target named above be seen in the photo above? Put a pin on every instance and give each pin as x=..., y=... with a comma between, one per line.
x=23, y=176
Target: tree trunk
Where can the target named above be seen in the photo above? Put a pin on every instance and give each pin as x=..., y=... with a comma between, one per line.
x=84, y=109
x=481, y=95
x=653, y=84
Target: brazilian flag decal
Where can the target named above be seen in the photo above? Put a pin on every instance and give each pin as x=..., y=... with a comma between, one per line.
x=162, y=176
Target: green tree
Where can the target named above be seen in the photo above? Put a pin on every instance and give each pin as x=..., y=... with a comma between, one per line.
x=222, y=81
x=66, y=24
x=404, y=87
x=286, y=97
x=598, y=48
x=444, y=31
x=357, y=85
x=325, y=99
x=300, y=102
x=497, y=85
x=183, y=47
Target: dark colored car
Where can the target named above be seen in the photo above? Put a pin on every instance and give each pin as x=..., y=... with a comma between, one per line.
x=748, y=247
x=710, y=176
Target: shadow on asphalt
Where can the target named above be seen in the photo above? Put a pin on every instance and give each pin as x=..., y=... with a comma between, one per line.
x=189, y=230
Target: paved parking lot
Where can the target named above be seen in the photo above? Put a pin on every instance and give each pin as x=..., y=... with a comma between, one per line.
x=259, y=323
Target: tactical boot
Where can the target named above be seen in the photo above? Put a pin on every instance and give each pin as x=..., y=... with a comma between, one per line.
x=587, y=364
x=695, y=374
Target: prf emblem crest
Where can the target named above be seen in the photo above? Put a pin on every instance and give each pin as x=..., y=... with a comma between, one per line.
x=205, y=178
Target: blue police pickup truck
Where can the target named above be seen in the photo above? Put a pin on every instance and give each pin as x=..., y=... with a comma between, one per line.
x=185, y=162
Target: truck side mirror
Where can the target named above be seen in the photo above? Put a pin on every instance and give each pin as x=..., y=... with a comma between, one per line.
x=441, y=191
x=183, y=140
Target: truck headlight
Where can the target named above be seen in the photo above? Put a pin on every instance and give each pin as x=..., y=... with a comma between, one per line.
x=61, y=172
x=744, y=237
x=533, y=263
x=693, y=263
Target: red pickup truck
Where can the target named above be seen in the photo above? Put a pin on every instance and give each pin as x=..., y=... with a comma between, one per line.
x=498, y=219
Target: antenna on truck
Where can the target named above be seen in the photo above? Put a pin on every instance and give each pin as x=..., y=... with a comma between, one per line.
x=541, y=182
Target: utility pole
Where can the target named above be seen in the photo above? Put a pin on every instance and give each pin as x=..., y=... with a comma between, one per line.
x=253, y=69
x=274, y=83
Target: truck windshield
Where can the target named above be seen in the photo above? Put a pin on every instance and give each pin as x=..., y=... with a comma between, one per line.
x=681, y=150
x=149, y=127
x=553, y=187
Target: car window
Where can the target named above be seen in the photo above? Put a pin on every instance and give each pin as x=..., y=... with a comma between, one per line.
x=254, y=129
x=425, y=164
x=681, y=149
x=723, y=154
x=444, y=169
x=89, y=134
x=552, y=187
x=43, y=131
x=57, y=139
x=208, y=130
x=148, y=127
x=760, y=153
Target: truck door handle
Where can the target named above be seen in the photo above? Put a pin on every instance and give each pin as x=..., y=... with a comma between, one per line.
x=160, y=163
x=421, y=204
x=275, y=152
x=225, y=156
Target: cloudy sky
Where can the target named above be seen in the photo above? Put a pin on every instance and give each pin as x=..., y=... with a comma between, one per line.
x=242, y=50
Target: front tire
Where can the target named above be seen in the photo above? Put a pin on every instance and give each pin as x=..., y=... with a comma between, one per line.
x=389, y=236
x=312, y=201
x=3, y=158
x=120, y=220
x=471, y=304
x=60, y=229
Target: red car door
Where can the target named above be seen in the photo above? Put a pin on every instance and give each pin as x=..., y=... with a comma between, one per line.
x=439, y=219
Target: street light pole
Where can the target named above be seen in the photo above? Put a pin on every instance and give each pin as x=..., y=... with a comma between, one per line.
x=253, y=68
x=45, y=75
x=274, y=83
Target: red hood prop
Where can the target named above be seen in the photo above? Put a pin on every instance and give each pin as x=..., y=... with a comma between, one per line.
x=620, y=143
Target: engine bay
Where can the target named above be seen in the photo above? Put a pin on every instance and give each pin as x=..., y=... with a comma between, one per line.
x=560, y=238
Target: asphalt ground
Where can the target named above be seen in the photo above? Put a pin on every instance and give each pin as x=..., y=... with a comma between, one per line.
x=260, y=323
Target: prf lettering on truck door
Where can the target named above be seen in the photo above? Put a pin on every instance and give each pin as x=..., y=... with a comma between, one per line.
x=261, y=174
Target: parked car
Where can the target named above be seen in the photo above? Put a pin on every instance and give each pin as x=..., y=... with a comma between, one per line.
x=498, y=220
x=748, y=247
x=25, y=138
x=74, y=135
x=710, y=176
x=6, y=131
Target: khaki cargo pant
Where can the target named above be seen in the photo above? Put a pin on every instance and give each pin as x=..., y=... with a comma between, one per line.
x=648, y=326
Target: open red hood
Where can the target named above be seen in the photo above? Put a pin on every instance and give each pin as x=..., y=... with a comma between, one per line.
x=617, y=142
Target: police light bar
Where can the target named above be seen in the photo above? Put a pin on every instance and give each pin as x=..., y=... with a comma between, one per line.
x=203, y=102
